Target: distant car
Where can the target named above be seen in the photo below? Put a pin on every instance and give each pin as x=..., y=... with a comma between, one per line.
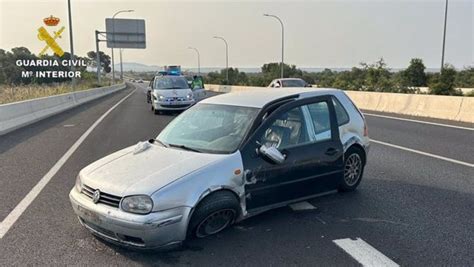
x=140, y=81
x=168, y=92
x=223, y=160
x=289, y=82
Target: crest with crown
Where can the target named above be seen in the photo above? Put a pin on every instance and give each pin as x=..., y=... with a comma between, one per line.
x=51, y=21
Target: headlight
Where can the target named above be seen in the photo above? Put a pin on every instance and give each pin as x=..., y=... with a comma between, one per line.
x=78, y=183
x=159, y=97
x=189, y=96
x=137, y=204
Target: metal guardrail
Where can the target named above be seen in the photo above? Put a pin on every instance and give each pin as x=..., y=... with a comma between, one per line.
x=19, y=114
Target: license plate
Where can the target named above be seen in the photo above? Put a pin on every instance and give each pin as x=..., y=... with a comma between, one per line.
x=89, y=215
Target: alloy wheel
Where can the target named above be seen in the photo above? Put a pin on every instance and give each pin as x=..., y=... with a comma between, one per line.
x=352, y=169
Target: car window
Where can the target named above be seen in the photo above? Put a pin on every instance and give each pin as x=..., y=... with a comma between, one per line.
x=287, y=130
x=341, y=113
x=294, y=83
x=321, y=121
x=170, y=82
x=210, y=127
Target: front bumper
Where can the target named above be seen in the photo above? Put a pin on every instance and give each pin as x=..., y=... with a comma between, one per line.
x=161, y=229
x=177, y=105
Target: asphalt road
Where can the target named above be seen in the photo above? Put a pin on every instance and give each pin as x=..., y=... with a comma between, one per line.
x=415, y=209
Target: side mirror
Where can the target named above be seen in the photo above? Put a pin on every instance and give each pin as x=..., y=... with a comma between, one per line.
x=272, y=153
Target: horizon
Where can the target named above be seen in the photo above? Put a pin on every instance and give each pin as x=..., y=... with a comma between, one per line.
x=338, y=34
x=258, y=68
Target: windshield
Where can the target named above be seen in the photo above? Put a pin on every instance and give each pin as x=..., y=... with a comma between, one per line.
x=170, y=82
x=210, y=128
x=294, y=83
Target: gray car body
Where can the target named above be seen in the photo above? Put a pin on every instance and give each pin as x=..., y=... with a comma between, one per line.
x=179, y=180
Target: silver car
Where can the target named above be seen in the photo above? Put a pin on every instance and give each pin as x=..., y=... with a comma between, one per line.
x=223, y=160
x=289, y=82
x=167, y=93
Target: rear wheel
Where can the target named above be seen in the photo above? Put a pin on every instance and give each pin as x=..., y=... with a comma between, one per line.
x=353, y=169
x=214, y=214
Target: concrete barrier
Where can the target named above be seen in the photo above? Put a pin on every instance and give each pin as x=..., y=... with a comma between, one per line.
x=455, y=108
x=19, y=114
x=466, y=112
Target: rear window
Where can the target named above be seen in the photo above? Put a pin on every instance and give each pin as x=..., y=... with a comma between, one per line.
x=341, y=113
x=294, y=83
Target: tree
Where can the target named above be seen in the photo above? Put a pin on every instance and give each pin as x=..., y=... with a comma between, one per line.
x=10, y=73
x=443, y=83
x=415, y=75
x=236, y=77
x=378, y=77
x=465, y=78
x=104, y=60
x=325, y=78
x=271, y=71
x=3, y=63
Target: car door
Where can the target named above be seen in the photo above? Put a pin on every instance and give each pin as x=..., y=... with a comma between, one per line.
x=199, y=93
x=314, y=154
x=272, y=84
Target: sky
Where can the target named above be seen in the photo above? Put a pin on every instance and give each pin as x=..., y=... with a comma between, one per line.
x=335, y=34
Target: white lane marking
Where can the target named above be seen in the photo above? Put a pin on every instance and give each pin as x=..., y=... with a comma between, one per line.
x=30, y=197
x=364, y=253
x=418, y=121
x=424, y=153
x=305, y=205
x=320, y=220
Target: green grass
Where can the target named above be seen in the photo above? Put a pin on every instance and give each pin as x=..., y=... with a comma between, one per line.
x=9, y=93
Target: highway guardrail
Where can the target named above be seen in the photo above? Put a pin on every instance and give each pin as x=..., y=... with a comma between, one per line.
x=18, y=114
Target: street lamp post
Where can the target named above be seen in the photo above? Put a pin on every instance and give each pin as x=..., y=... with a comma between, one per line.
x=282, y=40
x=444, y=35
x=226, y=57
x=121, y=66
x=113, y=36
x=199, y=59
x=71, y=42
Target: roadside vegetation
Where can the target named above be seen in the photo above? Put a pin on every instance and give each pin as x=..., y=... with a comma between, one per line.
x=10, y=93
x=14, y=87
x=375, y=77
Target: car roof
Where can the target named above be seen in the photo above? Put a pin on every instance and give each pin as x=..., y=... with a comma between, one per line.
x=259, y=97
x=288, y=79
x=164, y=76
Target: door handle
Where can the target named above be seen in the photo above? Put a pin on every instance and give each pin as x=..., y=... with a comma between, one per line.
x=331, y=151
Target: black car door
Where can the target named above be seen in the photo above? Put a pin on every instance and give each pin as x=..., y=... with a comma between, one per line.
x=306, y=132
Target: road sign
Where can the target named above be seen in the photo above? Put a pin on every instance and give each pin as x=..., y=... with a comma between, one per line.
x=125, y=33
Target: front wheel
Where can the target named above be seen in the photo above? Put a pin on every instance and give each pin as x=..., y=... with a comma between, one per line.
x=214, y=214
x=353, y=169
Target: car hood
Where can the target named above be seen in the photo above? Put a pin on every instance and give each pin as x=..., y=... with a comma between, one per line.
x=174, y=92
x=125, y=173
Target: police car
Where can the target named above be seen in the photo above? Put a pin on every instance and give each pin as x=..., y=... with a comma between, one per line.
x=169, y=90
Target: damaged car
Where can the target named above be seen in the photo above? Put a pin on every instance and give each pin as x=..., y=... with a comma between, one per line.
x=225, y=159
